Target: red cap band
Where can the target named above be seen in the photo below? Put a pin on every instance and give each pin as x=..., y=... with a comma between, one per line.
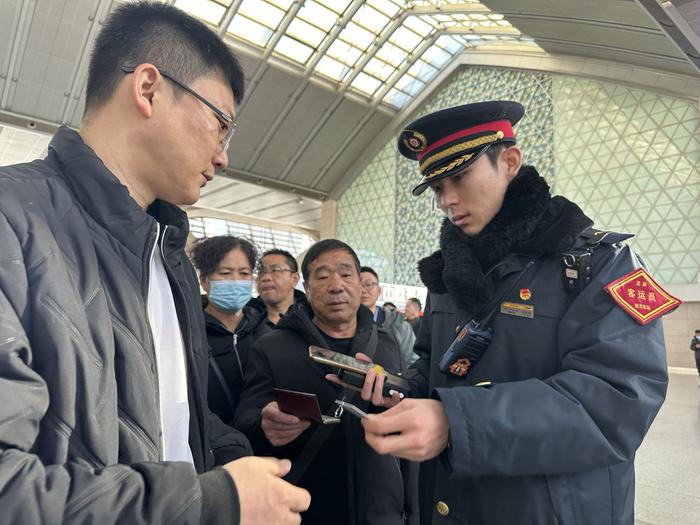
x=497, y=125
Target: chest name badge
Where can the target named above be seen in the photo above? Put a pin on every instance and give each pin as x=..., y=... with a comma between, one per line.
x=519, y=310
x=641, y=297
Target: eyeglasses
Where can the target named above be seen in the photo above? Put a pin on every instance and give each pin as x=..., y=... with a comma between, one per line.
x=368, y=285
x=226, y=122
x=274, y=270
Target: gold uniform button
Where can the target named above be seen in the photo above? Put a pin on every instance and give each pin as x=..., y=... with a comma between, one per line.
x=442, y=508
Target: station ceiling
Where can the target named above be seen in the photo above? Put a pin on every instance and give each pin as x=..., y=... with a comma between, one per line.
x=325, y=78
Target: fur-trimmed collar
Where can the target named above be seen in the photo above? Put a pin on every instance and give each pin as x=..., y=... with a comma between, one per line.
x=530, y=222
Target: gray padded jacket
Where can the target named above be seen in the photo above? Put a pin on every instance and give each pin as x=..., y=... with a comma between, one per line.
x=79, y=417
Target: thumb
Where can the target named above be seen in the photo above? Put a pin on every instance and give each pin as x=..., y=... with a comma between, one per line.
x=283, y=467
x=362, y=357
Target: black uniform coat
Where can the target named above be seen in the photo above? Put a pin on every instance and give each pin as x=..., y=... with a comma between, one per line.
x=280, y=359
x=575, y=389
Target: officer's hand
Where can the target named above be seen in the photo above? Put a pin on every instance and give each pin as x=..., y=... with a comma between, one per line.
x=415, y=429
x=263, y=495
x=372, y=388
x=279, y=427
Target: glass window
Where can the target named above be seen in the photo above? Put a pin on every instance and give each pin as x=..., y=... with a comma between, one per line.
x=211, y=12
x=332, y=68
x=306, y=33
x=318, y=15
x=356, y=35
x=379, y=69
x=371, y=19
x=344, y=52
x=366, y=83
x=406, y=39
x=249, y=30
x=293, y=49
x=387, y=7
x=262, y=12
x=339, y=6
x=409, y=85
x=397, y=98
x=392, y=54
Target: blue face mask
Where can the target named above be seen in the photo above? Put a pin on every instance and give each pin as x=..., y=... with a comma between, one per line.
x=230, y=296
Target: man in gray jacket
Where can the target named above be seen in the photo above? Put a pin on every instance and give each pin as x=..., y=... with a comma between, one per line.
x=103, y=354
x=542, y=360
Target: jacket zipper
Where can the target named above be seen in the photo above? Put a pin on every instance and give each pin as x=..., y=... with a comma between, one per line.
x=152, y=347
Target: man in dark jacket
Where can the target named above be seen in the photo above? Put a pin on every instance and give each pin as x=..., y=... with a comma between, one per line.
x=103, y=361
x=348, y=482
x=534, y=411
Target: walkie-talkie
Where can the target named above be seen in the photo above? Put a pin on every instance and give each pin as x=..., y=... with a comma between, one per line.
x=474, y=338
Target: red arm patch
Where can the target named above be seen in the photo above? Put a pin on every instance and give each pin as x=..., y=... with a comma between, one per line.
x=641, y=297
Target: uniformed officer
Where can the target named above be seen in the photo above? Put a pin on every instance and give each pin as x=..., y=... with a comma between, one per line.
x=542, y=361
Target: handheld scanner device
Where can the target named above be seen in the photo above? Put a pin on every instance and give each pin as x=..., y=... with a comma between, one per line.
x=353, y=372
x=474, y=338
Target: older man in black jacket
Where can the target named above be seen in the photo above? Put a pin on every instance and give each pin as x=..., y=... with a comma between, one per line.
x=103, y=355
x=348, y=482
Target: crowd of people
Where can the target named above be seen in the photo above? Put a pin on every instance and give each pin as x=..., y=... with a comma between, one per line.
x=128, y=398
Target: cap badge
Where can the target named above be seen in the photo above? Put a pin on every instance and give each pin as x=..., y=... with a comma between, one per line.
x=525, y=294
x=414, y=141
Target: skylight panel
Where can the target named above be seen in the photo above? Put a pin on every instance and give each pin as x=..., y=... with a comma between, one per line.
x=422, y=70
x=449, y=44
x=284, y=5
x=379, y=68
x=248, y=30
x=371, y=19
x=318, y=15
x=397, y=98
x=356, y=35
x=418, y=25
x=206, y=10
x=387, y=7
x=436, y=56
x=405, y=39
x=392, y=54
x=293, y=49
x=339, y=6
x=344, y=52
x=261, y=12
x=366, y=83
x=410, y=85
x=332, y=68
x=305, y=32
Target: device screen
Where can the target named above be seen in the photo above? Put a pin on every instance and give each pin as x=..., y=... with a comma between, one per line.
x=329, y=357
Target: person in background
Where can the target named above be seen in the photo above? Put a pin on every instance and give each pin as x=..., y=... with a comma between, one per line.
x=387, y=318
x=225, y=264
x=277, y=278
x=414, y=313
x=103, y=351
x=695, y=347
x=388, y=305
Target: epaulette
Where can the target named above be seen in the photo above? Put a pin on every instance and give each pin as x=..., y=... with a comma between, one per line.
x=577, y=261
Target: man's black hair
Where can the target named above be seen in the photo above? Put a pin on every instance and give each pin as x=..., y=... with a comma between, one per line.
x=389, y=305
x=208, y=253
x=415, y=301
x=324, y=246
x=162, y=35
x=291, y=261
x=369, y=270
x=492, y=152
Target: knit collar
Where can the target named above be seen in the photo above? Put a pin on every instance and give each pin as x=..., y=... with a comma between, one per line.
x=530, y=222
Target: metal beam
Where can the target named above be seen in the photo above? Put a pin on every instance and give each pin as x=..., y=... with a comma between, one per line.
x=445, y=9
x=311, y=136
x=77, y=87
x=268, y=182
x=362, y=123
x=270, y=47
x=303, y=82
x=22, y=23
x=491, y=31
x=228, y=16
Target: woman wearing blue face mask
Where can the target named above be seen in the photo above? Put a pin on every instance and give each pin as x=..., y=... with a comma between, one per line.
x=233, y=318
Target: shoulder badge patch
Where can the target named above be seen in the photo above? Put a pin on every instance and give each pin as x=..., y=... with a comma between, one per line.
x=641, y=297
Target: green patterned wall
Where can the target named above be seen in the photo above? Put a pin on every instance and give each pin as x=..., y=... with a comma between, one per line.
x=628, y=157
x=631, y=160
